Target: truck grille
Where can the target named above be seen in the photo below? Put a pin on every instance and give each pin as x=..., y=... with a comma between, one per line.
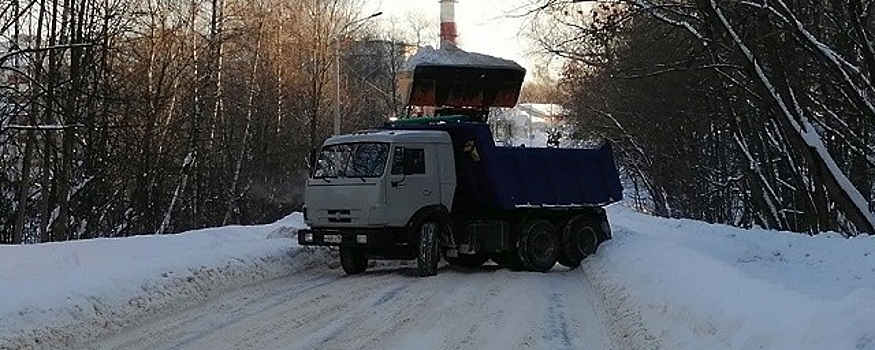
x=339, y=216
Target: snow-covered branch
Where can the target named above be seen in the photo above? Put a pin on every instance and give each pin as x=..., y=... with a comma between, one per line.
x=864, y=219
x=40, y=127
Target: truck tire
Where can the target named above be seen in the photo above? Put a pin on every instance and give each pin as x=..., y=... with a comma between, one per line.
x=564, y=260
x=353, y=260
x=579, y=240
x=538, y=246
x=429, y=247
x=468, y=260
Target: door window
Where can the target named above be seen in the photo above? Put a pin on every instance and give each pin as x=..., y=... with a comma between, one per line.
x=411, y=162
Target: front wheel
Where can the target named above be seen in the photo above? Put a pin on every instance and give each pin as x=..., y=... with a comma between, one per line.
x=429, y=248
x=353, y=260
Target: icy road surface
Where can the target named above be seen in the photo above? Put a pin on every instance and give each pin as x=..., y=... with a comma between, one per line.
x=389, y=308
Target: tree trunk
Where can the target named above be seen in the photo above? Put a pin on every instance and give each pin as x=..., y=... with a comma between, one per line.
x=232, y=194
x=23, y=190
x=180, y=189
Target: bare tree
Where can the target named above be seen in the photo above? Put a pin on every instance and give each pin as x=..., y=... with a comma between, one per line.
x=795, y=137
x=165, y=115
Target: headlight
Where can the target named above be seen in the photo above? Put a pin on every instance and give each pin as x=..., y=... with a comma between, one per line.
x=361, y=239
x=308, y=237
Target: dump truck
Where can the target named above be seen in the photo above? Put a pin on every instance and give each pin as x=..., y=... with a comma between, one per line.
x=438, y=187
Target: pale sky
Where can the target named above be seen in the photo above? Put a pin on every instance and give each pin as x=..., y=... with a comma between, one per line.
x=482, y=25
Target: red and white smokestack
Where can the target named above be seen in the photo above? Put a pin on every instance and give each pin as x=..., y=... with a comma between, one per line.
x=448, y=23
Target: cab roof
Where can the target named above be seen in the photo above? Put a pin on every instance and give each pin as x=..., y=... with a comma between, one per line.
x=392, y=136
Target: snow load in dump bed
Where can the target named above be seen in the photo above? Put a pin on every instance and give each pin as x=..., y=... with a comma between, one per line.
x=451, y=77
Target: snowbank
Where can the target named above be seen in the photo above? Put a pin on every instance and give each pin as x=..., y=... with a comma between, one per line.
x=682, y=284
x=60, y=294
x=668, y=284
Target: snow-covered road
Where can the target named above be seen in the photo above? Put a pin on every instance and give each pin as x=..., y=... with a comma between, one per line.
x=389, y=308
x=659, y=284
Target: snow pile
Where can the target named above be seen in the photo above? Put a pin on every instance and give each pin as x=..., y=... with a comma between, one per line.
x=60, y=294
x=682, y=284
x=453, y=56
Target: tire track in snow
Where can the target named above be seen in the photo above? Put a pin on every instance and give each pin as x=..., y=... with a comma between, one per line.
x=325, y=315
x=388, y=307
x=557, y=326
x=624, y=318
x=308, y=285
x=388, y=295
x=327, y=333
x=191, y=324
x=339, y=326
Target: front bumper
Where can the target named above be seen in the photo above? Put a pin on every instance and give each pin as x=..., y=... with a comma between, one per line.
x=365, y=238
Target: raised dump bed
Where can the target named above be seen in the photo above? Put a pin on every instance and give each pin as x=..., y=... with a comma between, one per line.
x=451, y=77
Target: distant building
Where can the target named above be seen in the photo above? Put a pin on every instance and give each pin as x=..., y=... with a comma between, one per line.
x=8, y=76
x=377, y=60
x=372, y=66
x=5, y=74
x=526, y=121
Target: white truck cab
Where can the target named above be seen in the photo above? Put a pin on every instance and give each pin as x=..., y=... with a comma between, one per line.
x=378, y=179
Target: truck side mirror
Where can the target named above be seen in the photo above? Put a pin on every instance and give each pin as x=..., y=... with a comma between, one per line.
x=312, y=156
x=398, y=161
x=398, y=166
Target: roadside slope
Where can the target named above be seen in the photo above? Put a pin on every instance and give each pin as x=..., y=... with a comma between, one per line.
x=683, y=284
x=59, y=294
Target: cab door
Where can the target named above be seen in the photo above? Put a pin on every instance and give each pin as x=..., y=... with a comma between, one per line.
x=413, y=181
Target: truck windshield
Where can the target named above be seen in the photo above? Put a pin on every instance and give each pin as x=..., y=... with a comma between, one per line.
x=357, y=160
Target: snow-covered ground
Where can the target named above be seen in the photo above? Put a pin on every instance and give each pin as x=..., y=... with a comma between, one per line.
x=56, y=294
x=693, y=285
x=660, y=284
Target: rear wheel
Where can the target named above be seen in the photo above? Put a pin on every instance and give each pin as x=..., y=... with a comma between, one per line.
x=566, y=261
x=468, y=260
x=537, y=247
x=429, y=248
x=353, y=260
x=579, y=240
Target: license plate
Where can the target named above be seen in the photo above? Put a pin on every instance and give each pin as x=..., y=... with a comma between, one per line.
x=332, y=239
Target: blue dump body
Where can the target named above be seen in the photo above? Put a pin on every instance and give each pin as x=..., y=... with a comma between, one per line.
x=505, y=178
